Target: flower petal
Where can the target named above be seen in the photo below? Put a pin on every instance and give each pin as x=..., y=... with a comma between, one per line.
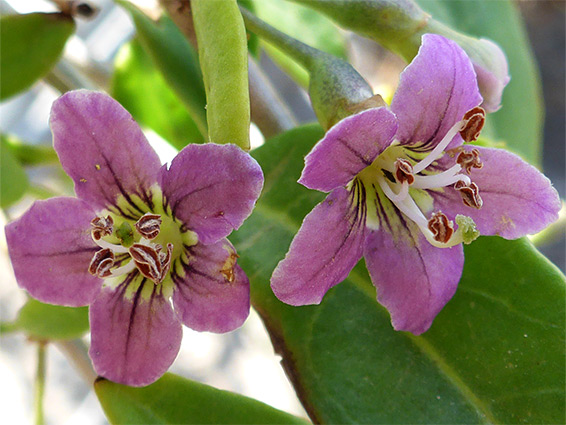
x=135, y=336
x=327, y=246
x=492, y=70
x=102, y=149
x=414, y=279
x=214, y=293
x=212, y=188
x=434, y=93
x=517, y=198
x=51, y=248
x=347, y=148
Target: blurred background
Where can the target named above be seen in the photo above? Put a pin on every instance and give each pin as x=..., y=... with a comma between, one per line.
x=242, y=361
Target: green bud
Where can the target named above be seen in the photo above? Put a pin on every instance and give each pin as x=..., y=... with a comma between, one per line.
x=336, y=90
x=335, y=87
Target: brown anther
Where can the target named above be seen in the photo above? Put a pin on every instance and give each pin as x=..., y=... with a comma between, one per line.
x=404, y=171
x=165, y=260
x=470, y=194
x=474, y=120
x=469, y=159
x=101, y=227
x=147, y=261
x=101, y=263
x=441, y=228
x=149, y=225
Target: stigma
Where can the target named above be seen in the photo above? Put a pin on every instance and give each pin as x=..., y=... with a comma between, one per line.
x=134, y=249
x=397, y=172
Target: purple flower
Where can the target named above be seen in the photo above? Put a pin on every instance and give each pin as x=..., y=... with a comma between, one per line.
x=398, y=179
x=138, y=234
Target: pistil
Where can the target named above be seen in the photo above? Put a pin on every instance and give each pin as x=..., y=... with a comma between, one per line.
x=438, y=230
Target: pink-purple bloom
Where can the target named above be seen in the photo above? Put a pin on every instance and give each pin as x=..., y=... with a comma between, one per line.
x=138, y=235
x=398, y=179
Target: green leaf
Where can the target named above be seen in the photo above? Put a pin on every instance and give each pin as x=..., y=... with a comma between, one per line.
x=31, y=45
x=519, y=121
x=495, y=354
x=175, y=58
x=175, y=400
x=141, y=89
x=223, y=54
x=27, y=154
x=46, y=321
x=293, y=19
x=13, y=178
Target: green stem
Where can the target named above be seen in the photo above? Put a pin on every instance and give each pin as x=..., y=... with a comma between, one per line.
x=305, y=55
x=8, y=327
x=40, y=383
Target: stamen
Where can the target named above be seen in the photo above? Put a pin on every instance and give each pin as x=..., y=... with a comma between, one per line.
x=437, y=151
x=395, y=197
x=149, y=225
x=101, y=263
x=113, y=247
x=165, y=260
x=101, y=227
x=443, y=179
x=441, y=228
x=124, y=269
x=404, y=171
x=147, y=261
x=474, y=120
x=408, y=207
x=470, y=194
x=469, y=160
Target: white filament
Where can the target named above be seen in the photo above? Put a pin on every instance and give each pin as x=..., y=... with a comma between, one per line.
x=437, y=151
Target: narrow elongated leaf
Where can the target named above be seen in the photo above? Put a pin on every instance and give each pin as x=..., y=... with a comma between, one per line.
x=31, y=45
x=45, y=321
x=495, y=354
x=175, y=58
x=223, y=55
x=13, y=178
x=175, y=400
x=141, y=89
x=519, y=122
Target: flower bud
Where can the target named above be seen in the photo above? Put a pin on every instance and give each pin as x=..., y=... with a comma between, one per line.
x=335, y=87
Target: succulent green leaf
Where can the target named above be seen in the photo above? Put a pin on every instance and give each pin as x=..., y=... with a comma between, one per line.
x=176, y=400
x=495, y=354
x=48, y=322
x=175, y=58
x=143, y=91
x=31, y=46
x=223, y=54
x=13, y=178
